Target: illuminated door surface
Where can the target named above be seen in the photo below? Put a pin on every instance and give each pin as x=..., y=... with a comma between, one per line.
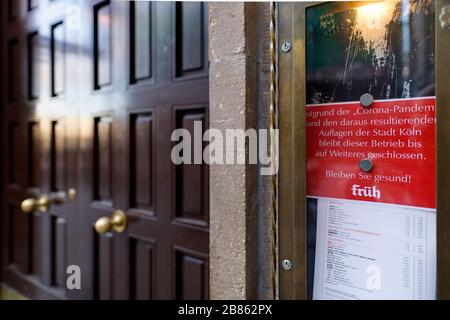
x=371, y=234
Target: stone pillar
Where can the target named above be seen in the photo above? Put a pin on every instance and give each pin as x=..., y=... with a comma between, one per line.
x=233, y=188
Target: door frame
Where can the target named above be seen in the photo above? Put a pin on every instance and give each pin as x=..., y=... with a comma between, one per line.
x=292, y=175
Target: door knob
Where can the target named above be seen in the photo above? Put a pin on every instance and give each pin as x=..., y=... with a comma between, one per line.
x=44, y=201
x=117, y=222
x=42, y=204
x=71, y=194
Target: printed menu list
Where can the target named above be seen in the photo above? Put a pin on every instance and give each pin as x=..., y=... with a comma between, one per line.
x=374, y=251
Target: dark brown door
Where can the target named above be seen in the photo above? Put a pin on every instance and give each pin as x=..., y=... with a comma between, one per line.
x=40, y=146
x=93, y=92
x=145, y=68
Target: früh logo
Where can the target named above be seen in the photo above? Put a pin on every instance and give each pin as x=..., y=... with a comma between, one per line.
x=367, y=192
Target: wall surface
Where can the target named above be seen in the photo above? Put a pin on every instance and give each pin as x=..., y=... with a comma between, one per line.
x=240, y=216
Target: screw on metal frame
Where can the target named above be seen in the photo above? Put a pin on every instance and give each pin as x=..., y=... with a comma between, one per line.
x=286, y=47
x=286, y=264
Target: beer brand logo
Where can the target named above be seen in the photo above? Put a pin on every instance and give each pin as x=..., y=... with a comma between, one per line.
x=366, y=192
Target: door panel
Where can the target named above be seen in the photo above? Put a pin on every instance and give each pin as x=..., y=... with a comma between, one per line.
x=142, y=168
x=103, y=261
x=141, y=41
x=142, y=271
x=57, y=53
x=102, y=44
x=34, y=153
x=103, y=159
x=33, y=65
x=14, y=70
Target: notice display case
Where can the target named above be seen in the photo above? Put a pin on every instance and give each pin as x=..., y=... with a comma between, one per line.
x=363, y=150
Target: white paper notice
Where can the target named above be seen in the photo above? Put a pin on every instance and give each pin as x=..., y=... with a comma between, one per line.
x=368, y=250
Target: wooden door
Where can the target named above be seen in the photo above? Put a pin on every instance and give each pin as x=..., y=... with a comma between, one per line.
x=145, y=70
x=94, y=91
x=40, y=146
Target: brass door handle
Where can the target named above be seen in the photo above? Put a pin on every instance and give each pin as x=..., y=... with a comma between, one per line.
x=71, y=194
x=117, y=222
x=44, y=202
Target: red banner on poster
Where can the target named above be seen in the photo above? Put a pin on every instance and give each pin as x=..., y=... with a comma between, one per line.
x=397, y=135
